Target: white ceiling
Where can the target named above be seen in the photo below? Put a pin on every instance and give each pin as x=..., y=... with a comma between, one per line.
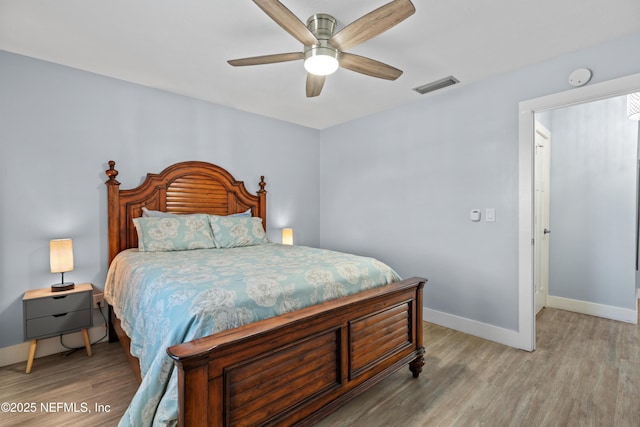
x=182, y=46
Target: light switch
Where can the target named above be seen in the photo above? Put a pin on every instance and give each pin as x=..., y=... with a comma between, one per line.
x=490, y=214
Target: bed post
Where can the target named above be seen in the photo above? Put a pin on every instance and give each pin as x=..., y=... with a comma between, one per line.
x=416, y=365
x=113, y=202
x=113, y=207
x=193, y=392
x=262, y=196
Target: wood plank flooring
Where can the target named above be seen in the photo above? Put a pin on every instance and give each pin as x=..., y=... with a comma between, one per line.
x=585, y=372
x=103, y=379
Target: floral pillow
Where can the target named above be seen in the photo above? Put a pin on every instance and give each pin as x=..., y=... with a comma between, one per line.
x=233, y=232
x=179, y=233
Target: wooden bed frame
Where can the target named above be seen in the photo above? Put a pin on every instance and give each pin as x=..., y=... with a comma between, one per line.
x=293, y=369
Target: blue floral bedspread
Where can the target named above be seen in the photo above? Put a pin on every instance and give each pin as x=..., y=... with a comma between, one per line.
x=166, y=298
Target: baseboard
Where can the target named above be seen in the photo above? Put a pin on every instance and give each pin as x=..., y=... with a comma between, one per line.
x=593, y=309
x=473, y=327
x=20, y=352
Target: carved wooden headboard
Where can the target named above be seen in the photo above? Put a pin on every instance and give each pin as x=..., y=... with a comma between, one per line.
x=183, y=188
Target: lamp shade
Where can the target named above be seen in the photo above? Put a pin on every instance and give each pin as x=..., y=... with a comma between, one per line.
x=61, y=255
x=633, y=106
x=287, y=236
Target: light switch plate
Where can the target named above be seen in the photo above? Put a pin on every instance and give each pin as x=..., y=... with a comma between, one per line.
x=490, y=214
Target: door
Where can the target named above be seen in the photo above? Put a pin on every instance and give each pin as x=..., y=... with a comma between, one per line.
x=541, y=232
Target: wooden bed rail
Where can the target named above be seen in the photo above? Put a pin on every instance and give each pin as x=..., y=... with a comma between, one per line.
x=298, y=367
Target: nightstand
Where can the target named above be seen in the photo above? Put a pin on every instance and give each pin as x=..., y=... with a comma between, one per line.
x=47, y=314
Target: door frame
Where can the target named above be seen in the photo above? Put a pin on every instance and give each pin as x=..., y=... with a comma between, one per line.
x=541, y=249
x=526, y=146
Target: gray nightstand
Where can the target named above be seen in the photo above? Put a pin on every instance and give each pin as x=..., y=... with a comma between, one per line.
x=47, y=314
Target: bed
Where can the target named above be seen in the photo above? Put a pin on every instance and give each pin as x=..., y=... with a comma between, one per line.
x=292, y=367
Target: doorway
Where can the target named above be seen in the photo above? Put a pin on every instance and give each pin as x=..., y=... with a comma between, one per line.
x=526, y=263
x=593, y=209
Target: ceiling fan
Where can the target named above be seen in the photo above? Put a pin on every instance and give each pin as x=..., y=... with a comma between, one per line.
x=324, y=51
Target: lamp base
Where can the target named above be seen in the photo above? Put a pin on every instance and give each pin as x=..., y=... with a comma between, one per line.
x=59, y=287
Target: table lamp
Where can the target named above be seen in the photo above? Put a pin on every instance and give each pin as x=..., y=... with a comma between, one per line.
x=61, y=260
x=287, y=236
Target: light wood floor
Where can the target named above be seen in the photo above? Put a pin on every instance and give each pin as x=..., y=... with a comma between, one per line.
x=585, y=372
x=105, y=379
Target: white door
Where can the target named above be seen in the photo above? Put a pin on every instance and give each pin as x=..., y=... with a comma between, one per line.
x=541, y=230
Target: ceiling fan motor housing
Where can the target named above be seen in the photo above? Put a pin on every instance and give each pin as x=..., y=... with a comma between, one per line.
x=322, y=26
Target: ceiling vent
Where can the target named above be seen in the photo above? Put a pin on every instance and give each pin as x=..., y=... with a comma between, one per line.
x=438, y=84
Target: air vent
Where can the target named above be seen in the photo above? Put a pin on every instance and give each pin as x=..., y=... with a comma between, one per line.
x=438, y=84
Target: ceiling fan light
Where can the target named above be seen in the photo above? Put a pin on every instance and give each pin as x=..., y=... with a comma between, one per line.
x=321, y=61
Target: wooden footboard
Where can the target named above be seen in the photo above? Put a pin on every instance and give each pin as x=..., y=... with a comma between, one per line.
x=296, y=368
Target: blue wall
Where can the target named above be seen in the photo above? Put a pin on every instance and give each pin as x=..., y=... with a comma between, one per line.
x=399, y=185
x=60, y=126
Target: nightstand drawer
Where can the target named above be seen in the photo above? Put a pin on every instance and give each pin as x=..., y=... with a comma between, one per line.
x=43, y=307
x=56, y=325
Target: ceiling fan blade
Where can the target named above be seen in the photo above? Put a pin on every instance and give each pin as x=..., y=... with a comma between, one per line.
x=368, y=66
x=314, y=85
x=372, y=24
x=266, y=59
x=287, y=20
